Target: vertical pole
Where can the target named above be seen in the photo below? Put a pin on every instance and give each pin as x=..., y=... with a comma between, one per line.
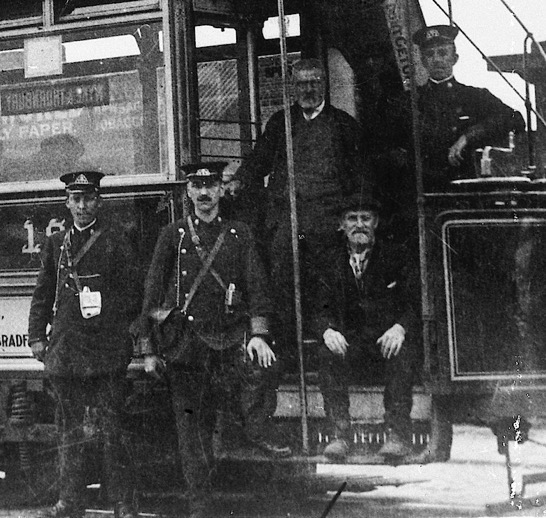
x=530, y=134
x=294, y=224
x=425, y=300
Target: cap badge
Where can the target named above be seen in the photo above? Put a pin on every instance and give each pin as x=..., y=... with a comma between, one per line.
x=82, y=179
x=433, y=33
x=202, y=172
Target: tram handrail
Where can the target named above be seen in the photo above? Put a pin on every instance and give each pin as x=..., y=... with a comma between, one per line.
x=529, y=34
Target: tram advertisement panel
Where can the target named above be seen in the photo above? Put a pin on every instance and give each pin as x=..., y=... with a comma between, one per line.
x=495, y=273
x=51, y=127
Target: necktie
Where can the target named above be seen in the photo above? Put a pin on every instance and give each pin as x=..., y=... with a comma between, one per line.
x=358, y=262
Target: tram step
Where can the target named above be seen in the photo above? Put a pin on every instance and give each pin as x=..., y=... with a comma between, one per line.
x=366, y=402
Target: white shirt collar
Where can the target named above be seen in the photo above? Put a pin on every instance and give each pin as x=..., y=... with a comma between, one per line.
x=86, y=226
x=450, y=78
x=316, y=112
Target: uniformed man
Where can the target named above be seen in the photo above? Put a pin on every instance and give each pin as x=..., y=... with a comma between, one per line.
x=455, y=119
x=366, y=314
x=207, y=274
x=86, y=293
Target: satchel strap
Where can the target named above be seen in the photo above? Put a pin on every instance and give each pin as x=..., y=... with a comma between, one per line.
x=72, y=263
x=202, y=272
x=203, y=255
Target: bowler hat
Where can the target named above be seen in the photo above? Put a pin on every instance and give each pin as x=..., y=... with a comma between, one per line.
x=435, y=35
x=204, y=170
x=82, y=181
x=358, y=201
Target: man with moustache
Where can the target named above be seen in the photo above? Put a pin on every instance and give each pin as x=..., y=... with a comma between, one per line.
x=86, y=291
x=455, y=119
x=329, y=165
x=366, y=316
x=216, y=304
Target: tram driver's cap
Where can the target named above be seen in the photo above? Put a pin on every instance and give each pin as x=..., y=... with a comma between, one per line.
x=204, y=171
x=82, y=181
x=435, y=35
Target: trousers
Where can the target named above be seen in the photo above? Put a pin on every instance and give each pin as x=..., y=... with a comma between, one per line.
x=226, y=380
x=103, y=397
x=336, y=372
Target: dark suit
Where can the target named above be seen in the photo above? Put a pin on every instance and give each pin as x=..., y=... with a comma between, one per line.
x=207, y=370
x=449, y=110
x=86, y=359
x=362, y=310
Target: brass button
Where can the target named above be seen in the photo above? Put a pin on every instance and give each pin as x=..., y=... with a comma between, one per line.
x=190, y=318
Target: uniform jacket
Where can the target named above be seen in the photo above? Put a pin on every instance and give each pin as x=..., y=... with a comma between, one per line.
x=269, y=157
x=78, y=346
x=363, y=310
x=237, y=263
x=448, y=111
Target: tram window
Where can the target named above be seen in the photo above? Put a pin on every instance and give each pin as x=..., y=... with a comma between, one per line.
x=106, y=111
x=17, y=9
x=208, y=36
x=25, y=227
x=219, y=110
x=75, y=8
x=271, y=27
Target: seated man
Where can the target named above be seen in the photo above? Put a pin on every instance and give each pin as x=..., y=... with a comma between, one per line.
x=364, y=313
x=207, y=271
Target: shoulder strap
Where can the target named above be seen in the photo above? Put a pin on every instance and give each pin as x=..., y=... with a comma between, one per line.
x=85, y=248
x=203, y=255
x=204, y=269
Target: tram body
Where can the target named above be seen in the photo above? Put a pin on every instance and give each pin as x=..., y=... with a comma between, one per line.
x=138, y=97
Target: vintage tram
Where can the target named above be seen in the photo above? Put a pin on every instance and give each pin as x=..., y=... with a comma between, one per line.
x=137, y=88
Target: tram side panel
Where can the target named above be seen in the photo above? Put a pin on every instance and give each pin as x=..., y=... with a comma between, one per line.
x=485, y=254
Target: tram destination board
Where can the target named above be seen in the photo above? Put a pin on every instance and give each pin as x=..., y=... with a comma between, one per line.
x=52, y=96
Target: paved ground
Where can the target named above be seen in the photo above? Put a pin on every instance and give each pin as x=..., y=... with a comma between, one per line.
x=473, y=483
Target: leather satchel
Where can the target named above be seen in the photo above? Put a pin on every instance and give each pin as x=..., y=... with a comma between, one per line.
x=169, y=324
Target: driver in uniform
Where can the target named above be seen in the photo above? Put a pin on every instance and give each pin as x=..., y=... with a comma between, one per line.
x=455, y=119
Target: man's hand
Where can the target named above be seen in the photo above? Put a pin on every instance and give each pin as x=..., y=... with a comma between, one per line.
x=335, y=341
x=455, y=155
x=392, y=340
x=39, y=349
x=154, y=366
x=264, y=354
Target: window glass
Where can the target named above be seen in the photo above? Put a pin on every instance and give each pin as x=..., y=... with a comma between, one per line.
x=26, y=226
x=17, y=9
x=106, y=111
x=219, y=110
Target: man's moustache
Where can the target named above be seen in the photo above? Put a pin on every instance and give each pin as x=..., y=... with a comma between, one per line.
x=204, y=198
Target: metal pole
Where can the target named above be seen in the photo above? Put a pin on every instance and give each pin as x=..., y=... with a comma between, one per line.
x=528, y=107
x=294, y=224
x=425, y=297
